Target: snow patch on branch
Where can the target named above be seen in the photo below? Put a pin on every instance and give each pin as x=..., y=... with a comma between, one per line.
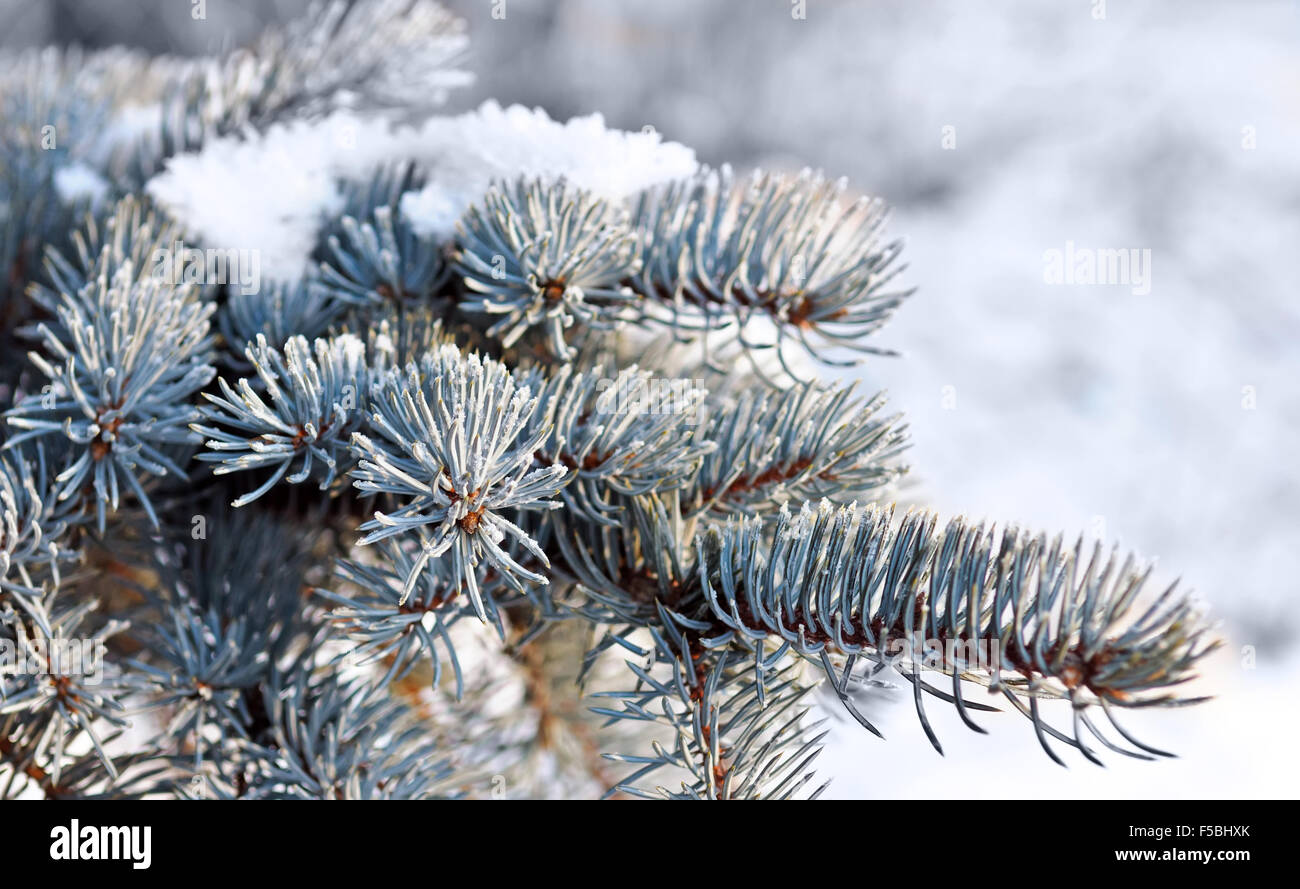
x=272, y=190
x=465, y=153
x=268, y=191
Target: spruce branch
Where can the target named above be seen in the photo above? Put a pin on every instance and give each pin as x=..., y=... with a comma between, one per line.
x=398, y=335
x=368, y=55
x=137, y=350
x=546, y=256
x=319, y=736
x=781, y=251
x=227, y=610
x=54, y=692
x=386, y=623
x=132, y=232
x=624, y=571
x=333, y=738
x=363, y=196
x=550, y=447
x=620, y=434
x=381, y=259
x=46, y=96
x=31, y=524
x=739, y=730
x=317, y=398
x=277, y=312
x=806, y=442
x=449, y=447
x=1054, y=621
x=81, y=774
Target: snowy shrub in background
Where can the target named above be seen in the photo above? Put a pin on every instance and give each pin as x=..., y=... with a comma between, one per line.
x=513, y=451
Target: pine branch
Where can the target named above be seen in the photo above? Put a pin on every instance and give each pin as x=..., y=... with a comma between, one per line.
x=136, y=351
x=317, y=401
x=778, y=250
x=806, y=442
x=381, y=260
x=739, y=730
x=546, y=256
x=620, y=435
x=1023, y=614
x=448, y=447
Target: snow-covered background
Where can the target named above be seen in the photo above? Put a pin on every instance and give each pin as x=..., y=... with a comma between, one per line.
x=1168, y=421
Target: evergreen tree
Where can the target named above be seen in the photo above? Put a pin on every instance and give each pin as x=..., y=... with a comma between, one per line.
x=526, y=470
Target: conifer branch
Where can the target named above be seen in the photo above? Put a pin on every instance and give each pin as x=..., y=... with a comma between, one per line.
x=385, y=623
x=227, y=610
x=448, y=447
x=739, y=731
x=805, y=442
x=523, y=428
x=716, y=256
x=325, y=737
x=128, y=356
x=31, y=524
x=371, y=54
x=317, y=400
x=1026, y=616
x=381, y=260
x=277, y=312
x=546, y=256
x=619, y=436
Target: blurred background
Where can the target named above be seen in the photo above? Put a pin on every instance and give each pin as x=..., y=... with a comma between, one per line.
x=1167, y=420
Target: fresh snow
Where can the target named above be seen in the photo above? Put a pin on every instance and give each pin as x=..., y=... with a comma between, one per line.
x=466, y=153
x=270, y=191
